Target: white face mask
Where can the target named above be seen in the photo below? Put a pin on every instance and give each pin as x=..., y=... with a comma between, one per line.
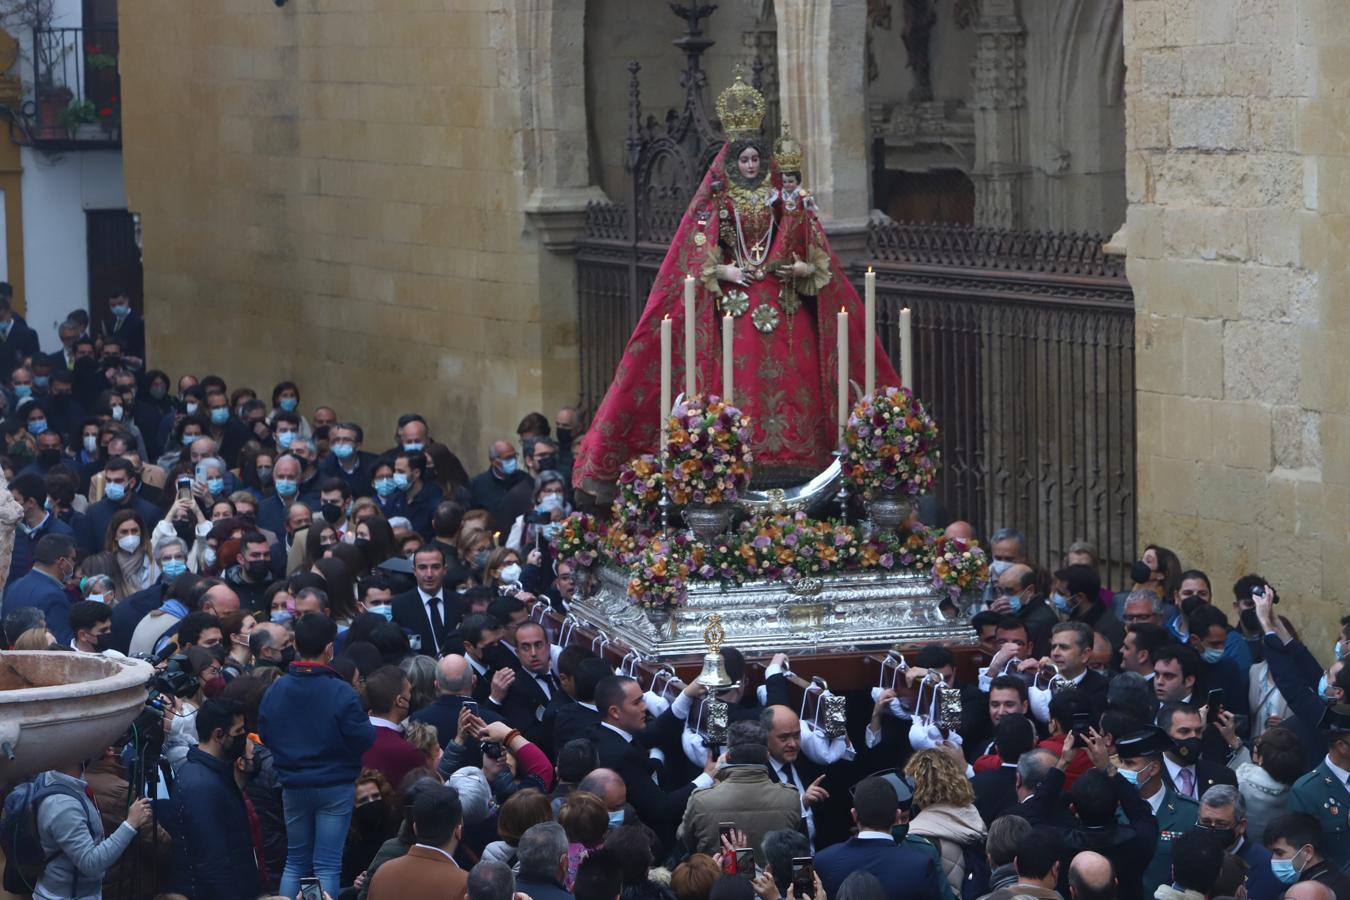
x=129, y=542
x=511, y=573
x=90, y=443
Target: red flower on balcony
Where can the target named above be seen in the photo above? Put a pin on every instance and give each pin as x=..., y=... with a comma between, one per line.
x=105, y=112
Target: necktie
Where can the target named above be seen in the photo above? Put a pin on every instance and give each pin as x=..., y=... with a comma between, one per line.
x=788, y=776
x=1187, y=780
x=437, y=623
x=546, y=684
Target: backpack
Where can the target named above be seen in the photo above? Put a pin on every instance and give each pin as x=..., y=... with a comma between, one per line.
x=977, y=871
x=24, y=858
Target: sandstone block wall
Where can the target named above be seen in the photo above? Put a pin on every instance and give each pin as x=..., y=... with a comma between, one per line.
x=332, y=193
x=1238, y=133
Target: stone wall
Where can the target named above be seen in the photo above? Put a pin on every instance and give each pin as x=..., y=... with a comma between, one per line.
x=334, y=193
x=1238, y=167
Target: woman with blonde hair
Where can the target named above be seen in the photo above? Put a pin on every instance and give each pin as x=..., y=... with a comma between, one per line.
x=945, y=802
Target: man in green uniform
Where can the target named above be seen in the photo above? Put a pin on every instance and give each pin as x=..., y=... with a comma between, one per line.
x=1141, y=762
x=1322, y=793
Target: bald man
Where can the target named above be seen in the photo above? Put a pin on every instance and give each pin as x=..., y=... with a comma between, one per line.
x=959, y=529
x=1309, y=890
x=454, y=688
x=608, y=786
x=1091, y=877
x=1014, y=594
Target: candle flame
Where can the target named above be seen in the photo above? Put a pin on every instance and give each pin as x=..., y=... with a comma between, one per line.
x=843, y=311
x=869, y=270
x=667, y=317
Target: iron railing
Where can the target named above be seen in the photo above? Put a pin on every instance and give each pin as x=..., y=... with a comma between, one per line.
x=77, y=96
x=1024, y=353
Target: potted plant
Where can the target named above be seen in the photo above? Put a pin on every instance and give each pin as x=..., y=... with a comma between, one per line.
x=80, y=112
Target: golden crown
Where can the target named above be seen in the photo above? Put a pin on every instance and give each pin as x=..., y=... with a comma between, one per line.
x=788, y=153
x=741, y=110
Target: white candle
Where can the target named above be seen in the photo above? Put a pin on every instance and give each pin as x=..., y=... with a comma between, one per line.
x=665, y=384
x=727, y=338
x=906, y=351
x=690, y=388
x=870, y=332
x=843, y=372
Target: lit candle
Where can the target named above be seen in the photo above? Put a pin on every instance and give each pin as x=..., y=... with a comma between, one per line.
x=690, y=388
x=906, y=351
x=727, y=337
x=843, y=372
x=665, y=383
x=870, y=332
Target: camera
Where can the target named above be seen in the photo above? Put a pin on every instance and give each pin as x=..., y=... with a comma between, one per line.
x=492, y=749
x=534, y=517
x=177, y=679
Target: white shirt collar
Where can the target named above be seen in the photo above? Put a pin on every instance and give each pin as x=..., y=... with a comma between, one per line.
x=478, y=668
x=439, y=595
x=1337, y=770
x=1081, y=676
x=619, y=731
x=440, y=851
x=1156, y=801
x=875, y=836
x=385, y=723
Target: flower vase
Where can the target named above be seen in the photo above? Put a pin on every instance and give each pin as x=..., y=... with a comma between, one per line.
x=709, y=521
x=661, y=621
x=887, y=512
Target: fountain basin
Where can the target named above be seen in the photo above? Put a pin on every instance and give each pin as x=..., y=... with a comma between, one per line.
x=61, y=708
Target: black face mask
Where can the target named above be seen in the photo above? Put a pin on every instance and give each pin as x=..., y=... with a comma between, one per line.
x=185, y=531
x=369, y=817
x=1226, y=837
x=234, y=746
x=1188, y=750
x=546, y=463
x=332, y=513
x=1250, y=623
x=258, y=569
x=564, y=436
x=361, y=543
x=49, y=457
x=1140, y=573
x=218, y=651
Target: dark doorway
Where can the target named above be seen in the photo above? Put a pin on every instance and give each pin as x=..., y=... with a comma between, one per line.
x=114, y=260
x=937, y=196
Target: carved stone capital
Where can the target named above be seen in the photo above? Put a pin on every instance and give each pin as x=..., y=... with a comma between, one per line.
x=558, y=215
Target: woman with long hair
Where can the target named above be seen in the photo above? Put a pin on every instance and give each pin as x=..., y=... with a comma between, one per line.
x=444, y=468
x=255, y=470
x=946, y=809
x=341, y=589
x=375, y=539
x=128, y=538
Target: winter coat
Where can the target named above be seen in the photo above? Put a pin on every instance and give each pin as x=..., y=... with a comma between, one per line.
x=952, y=828
x=1266, y=798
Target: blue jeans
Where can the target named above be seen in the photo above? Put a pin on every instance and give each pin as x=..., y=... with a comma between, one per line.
x=316, y=828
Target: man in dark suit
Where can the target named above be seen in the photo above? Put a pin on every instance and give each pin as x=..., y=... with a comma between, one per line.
x=996, y=789
x=1070, y=648
x=31, y=493
x=903, y=872
x=346, y=459
x=44, y=586
x=823, y=817
x=119, y=493
x=127, y=326
x=1185, y=771
x=426, y=611
x=454, y=688
x=18, y=342
x=532, y=686
x=428, y=871
x=623, y=737
x=489, y=489
x=571, y=721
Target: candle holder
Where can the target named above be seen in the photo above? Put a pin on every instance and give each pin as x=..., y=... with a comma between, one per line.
x=842, y=495
x=664, y=504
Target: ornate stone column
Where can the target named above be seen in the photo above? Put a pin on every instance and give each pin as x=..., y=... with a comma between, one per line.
x=1000, y=103
x=823, y=87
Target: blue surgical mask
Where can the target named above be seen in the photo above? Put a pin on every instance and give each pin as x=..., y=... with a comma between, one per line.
x=285, y=439
x=383, y=609
x=384, y=486
x=1211, y=655
x=401, y=481
x=1284, y=871
x=37, y=426
x=616, y=818
x=41, y=380
x=999, y=566
x=1014, y=602
x=286, y=487
x=120, y=310
x=97, y=598
x=282, y=616
x=509, y=466
x=1338, y=650
x=173, y=567
x=220, y=415
x=23, y=390
x=187, y=439
x=1129, y=775
x=1061, y=602
x=412, y=447
x=549, y=502
x=343, y=451
x=115, y=492
x=216, y=486
x=288, y=404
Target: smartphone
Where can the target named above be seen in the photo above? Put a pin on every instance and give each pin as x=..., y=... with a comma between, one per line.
x=184, y=486
x=803, y=876
x=1082, y=721
x=1215, y=704
x=310, y=889
x=470, y=705
x=745, y=862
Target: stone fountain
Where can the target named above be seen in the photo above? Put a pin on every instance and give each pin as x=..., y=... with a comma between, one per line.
x=59, y=708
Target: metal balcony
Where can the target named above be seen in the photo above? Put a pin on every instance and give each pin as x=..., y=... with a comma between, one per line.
x=76, y=101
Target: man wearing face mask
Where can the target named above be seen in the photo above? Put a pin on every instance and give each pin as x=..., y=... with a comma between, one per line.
x=1185, y=771
x=1078, y=596
x=30, y=492
x=44, y=586
x=251, y=575
x=1223, y=814
x=335, y=502
x=127, y=326
x=417, y=497
x=1015, y=594
x=208, y=813
x=489, y=489
x=1209, y=631
x=1141, y=764
x=389, y=695
x=565, y=430
x=1322, y=793
x=346, y=460
x=272, y=646
x=119, y=493
x=92, y=623
x=228, y=432
x=49, y=453
x=272, y=512
x=1298, y=852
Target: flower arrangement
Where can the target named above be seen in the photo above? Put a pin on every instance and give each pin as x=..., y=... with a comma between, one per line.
x=708, y=452
x=890, y=445
x=578, y=540
x=658, y=577
x=907, y=551
x=959, y=566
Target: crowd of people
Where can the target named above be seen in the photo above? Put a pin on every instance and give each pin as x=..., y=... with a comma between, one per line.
x=363, y=698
